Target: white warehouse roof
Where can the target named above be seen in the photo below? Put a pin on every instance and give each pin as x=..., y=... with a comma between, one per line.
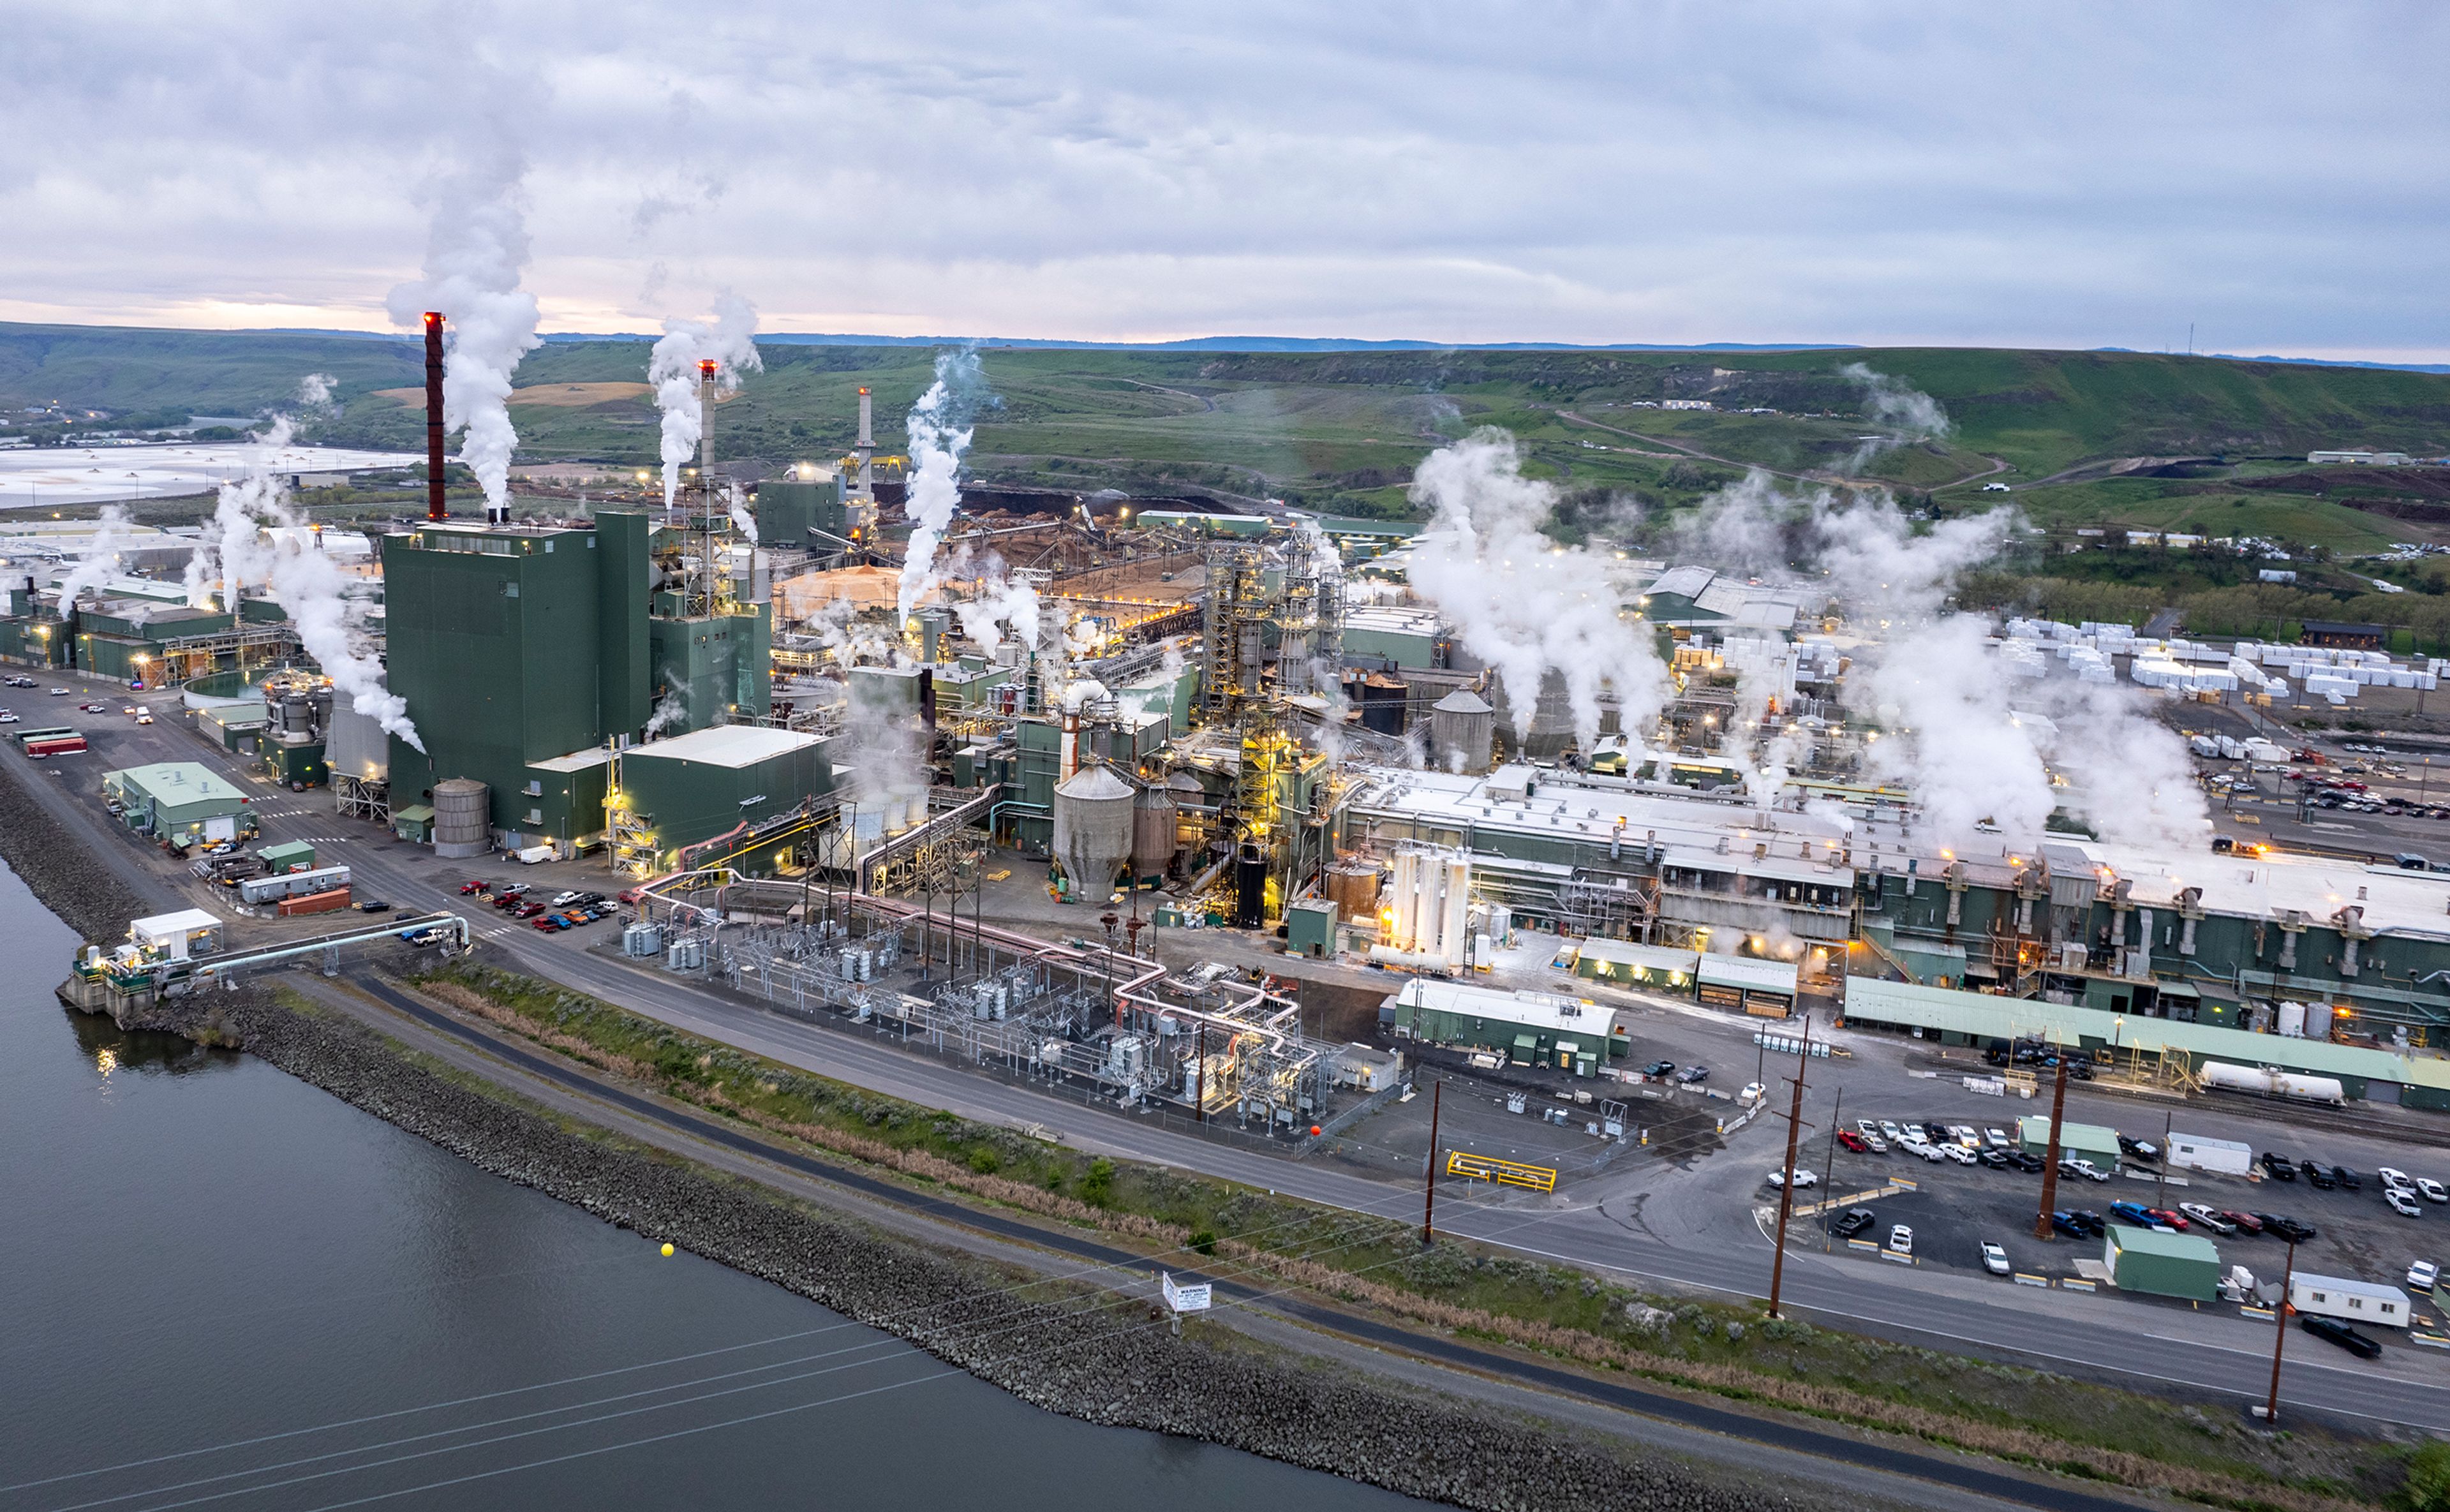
x=725, y=745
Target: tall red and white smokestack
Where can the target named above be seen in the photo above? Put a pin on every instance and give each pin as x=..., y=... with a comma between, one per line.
x=435, y=508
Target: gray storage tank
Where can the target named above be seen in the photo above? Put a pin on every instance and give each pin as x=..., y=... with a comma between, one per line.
x=1092, y=832
x=1463, y=730
x=1153, y=834
x=463, y=822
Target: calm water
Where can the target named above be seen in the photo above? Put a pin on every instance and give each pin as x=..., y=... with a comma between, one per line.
x=201, y=1251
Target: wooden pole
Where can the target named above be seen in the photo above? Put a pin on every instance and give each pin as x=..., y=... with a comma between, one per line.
x=2280, y=1333
x=2051, y=1160
x=1429, y=1192
x=1786, y=1187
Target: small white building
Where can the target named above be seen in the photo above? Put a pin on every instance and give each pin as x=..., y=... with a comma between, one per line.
x=2199, y=1152
x=2350, y=1301
x=188, y=932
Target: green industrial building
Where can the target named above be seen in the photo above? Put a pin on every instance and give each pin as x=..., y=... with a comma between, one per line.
x=529, y=653
x=2086, y=1141
x=1529, y=1028
x=812, y=516
x=181, y=804
x=2163, y=1265
x=673, y=796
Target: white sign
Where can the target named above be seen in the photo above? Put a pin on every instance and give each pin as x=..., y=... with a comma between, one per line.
x=1191, y=1298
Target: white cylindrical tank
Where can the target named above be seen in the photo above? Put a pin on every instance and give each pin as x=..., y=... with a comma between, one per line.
x=2318, y=1020
x=461, y=822
x=1461, y=731
x=2292, y=1020
x=1092, y=832
x=2236, y=1079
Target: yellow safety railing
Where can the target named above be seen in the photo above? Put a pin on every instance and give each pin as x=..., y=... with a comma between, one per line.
x=1488, y=1168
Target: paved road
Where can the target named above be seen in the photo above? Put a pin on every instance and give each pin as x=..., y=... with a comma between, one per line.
x=2213, y=1351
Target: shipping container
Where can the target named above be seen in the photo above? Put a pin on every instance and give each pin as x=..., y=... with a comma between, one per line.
x=316, y=903
x=292, y=884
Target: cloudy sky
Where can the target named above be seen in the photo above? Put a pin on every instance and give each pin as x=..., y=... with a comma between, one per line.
x=2059, y=175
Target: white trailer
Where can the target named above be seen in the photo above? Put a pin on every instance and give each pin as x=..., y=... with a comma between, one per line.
x=2200, y=1153
x=2349, y=1299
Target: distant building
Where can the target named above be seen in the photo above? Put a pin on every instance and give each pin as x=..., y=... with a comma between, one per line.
x=2276, y=575
x=1686, y=404
x=2340, y=635
x=2359, y=459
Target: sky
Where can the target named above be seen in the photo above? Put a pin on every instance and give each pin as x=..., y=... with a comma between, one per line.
x=2050, y=175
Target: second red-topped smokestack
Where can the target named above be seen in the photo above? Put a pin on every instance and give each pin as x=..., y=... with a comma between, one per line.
x=435, y=508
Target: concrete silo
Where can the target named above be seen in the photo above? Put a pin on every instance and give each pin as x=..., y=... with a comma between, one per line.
x=1153, y=834
x=1093, y=832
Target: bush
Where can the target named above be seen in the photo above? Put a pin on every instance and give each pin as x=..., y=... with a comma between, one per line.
x=2427, y=1487
x=1097, y=1182
x=986, y=1161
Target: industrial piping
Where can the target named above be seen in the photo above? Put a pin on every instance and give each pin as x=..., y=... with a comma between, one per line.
x=434, y=509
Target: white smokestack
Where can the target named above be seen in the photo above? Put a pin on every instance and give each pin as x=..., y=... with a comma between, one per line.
x=730, y=342
x=474, y=256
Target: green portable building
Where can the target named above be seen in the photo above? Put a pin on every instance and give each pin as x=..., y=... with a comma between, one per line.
x=2089, y=1140
x=294, y=856
x=1310, y=928
x=2164, y=1265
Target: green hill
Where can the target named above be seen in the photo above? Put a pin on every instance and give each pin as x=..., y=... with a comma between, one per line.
x=1343, y=431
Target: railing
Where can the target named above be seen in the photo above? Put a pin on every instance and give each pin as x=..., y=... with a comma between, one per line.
x=1505, y=1173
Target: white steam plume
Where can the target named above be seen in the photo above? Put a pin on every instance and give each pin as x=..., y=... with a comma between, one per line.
x=730, y=342
x=1519, y=601
x=743, y=518
x=240, y=547
x=1910, y=413
x=669, y=709
x=938, y=438
x=315, y=390
x=475, y=252
x=101, y=557
x=1000, y=602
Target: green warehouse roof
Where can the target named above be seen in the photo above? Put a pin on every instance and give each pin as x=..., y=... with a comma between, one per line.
x=178, y=783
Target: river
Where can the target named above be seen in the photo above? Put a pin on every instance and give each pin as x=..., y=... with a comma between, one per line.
x=227, y=1288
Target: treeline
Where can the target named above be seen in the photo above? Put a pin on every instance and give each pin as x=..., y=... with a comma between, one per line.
x=2273, y=611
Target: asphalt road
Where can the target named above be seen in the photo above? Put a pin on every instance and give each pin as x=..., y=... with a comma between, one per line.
x=2213, y=1351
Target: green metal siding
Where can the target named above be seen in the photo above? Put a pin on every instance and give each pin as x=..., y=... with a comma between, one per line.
x=687, y=801
x=2164, y=1265
x=623, y=671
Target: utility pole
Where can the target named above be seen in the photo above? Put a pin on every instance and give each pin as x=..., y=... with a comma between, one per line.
x=1786, y=1185
x=1200, y=1075
x=2280, y=1333
x=2161, y=1188
x=1829, y=1165
x=2051, y=1160
x=1430, y=1190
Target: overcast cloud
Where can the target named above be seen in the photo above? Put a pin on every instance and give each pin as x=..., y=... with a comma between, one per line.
x=2050, y=175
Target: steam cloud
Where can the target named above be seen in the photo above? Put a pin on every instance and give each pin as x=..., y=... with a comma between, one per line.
x=255, y=536
x=315, y=390
x=997, y=603
x=938, y=438
x=101, y=558
x=1910, y=413
x=475, y=252
x=1521, y=602
x=730, y=342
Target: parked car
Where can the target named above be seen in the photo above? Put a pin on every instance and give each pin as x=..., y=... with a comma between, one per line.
x=474, y=885
x=1957, y=1152
x=2340, y=1334
x=550, y=922
x=2391, y=1176
x=527, y=910
x=1866, y=1127
x=2431, y=1189
x=1693, y=1075
x=2348, y=1180
x=2169, y=1218
x=59, y=693
x=1660, y=1068
x=2026, y=1161
x=1851, y=1221
x=1935, y=1132
x=2245, y=1222
x=2094, y=1225
x=1998, y=1139
x=2320, y=1174
x=2278, y=1166
x=2136, y=1213
x=2081, y=1167
x=2067, y=1223
x=374, y=905
x=2284, y=1227
x=1901, y=1239
x=1996, y=1159
x=2422, y=1275
x=1853, y=1141
x=1878, y=1145
x=1927, y=1150
x=1804, y=1178
x=2204, y=1215
x=631, y=894
x=2401, y=1203
x=1752, y=1093
x=1891, y=1131
x=1966, y=1134
x=1995, y=1259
